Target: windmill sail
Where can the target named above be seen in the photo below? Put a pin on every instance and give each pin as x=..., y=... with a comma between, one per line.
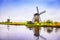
x=42, y=12
x=37, y=9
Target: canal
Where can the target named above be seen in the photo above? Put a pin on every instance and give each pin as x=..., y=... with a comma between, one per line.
x=15, y=32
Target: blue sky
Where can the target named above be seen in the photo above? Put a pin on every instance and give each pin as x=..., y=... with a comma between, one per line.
x=23, y=10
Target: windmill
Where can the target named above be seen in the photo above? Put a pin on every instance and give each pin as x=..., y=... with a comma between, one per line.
x=36, y=17
x=8, y=20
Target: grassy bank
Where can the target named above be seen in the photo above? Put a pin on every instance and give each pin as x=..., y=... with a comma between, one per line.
x=35, y=24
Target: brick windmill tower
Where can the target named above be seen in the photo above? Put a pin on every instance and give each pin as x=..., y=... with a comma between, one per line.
x=36, y=17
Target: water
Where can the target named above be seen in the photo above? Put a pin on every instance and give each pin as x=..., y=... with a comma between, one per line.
x=11, y=32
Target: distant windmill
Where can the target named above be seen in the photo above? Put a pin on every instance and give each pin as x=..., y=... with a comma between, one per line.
x=36, y=17
x=8, y=20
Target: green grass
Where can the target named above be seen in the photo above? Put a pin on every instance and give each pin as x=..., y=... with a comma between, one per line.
x=35, y=24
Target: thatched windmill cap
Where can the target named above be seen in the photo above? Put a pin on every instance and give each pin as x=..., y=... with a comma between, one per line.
x=36, y=14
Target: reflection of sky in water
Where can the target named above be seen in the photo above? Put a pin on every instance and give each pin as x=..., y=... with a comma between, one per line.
x=23, y=33
x=51, y=36
x=16, y=33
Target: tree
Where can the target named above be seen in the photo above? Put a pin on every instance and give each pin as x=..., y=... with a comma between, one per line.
x=49, y=21
x=29, y=22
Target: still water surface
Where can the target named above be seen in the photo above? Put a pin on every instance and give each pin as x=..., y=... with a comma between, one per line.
x=11, y=32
